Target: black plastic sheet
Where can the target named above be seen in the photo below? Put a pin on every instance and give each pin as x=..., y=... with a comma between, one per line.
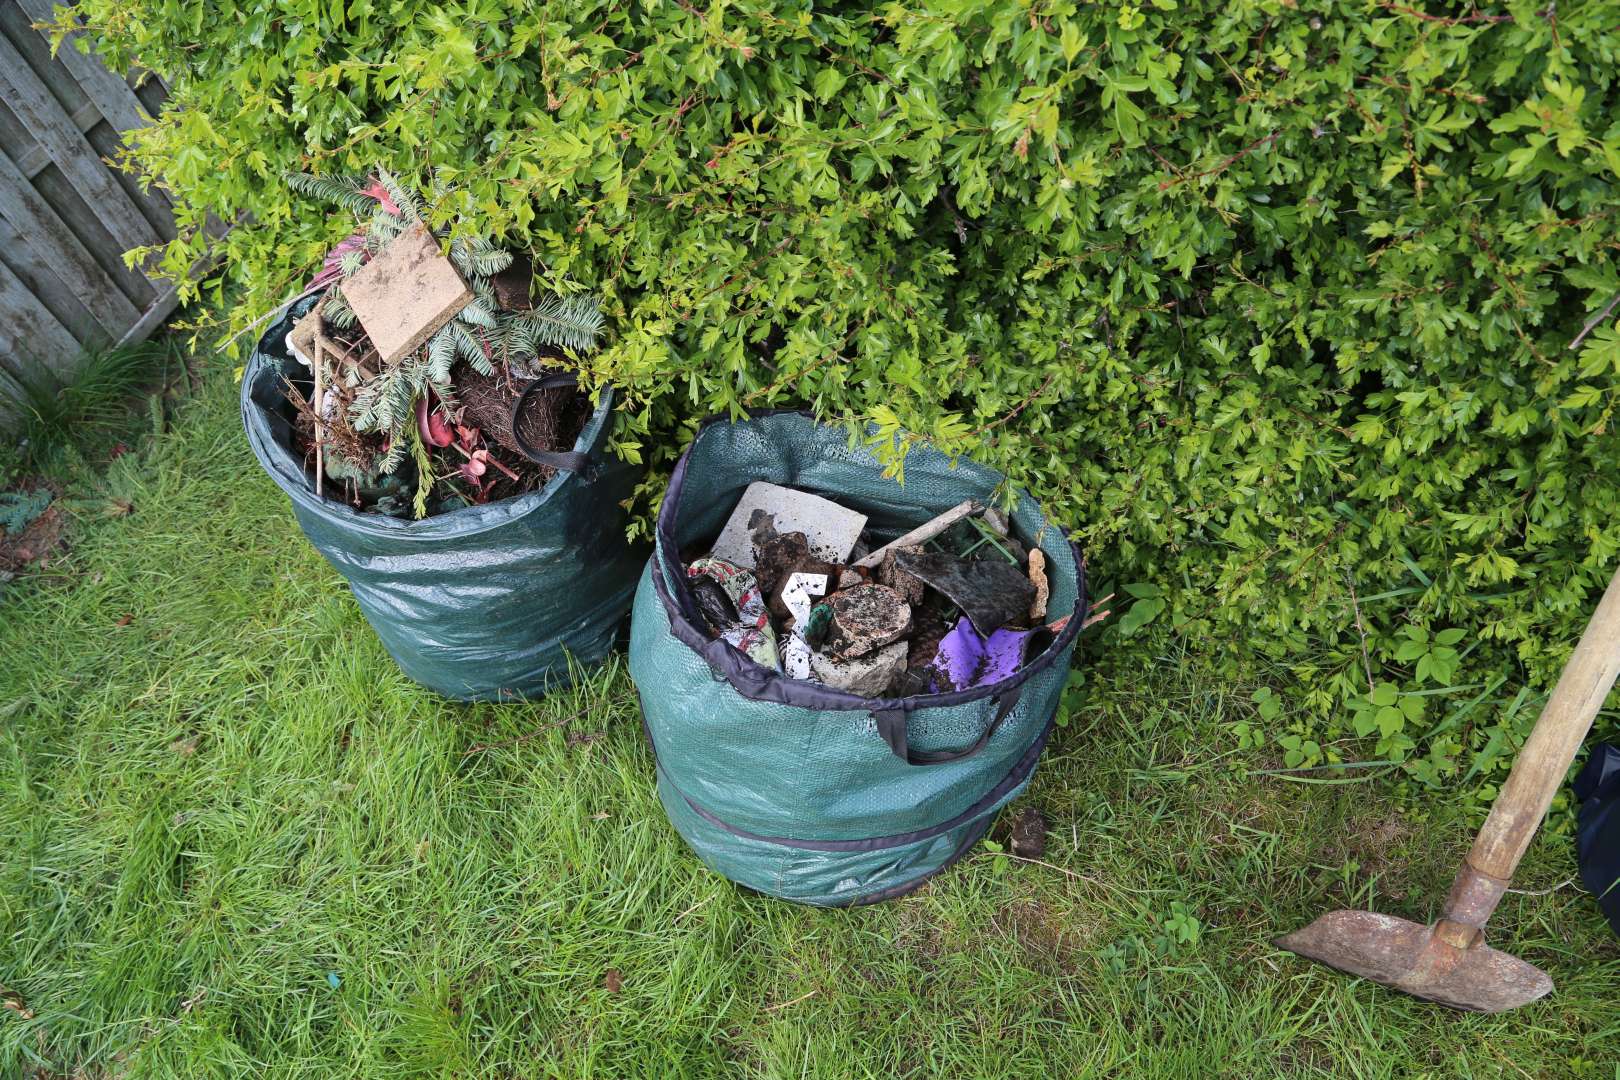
x=1597, y=837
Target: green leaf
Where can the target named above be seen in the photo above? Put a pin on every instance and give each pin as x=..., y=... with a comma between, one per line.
x=1141, y=613
x=828, y=82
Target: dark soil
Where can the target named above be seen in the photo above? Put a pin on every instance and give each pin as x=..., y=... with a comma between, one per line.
x=777, y=557
x=551, y=419
x=1027, y=834
x=930, y=622
x=512, y=285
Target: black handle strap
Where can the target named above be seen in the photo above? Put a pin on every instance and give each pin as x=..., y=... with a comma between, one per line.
x=891, y=724
x=562, y=460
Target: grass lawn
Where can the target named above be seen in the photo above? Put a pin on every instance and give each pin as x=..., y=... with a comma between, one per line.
x=237, y=842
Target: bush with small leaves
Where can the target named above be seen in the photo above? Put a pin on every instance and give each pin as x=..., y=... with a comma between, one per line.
x=1282, y=304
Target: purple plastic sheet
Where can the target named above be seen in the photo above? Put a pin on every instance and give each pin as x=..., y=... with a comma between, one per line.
x=965, y=659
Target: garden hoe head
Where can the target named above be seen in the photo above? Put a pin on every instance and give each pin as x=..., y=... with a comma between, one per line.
x=1419, y=960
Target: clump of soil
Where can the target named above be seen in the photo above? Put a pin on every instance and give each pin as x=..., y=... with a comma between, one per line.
x=1027, y=833
x=550, y=420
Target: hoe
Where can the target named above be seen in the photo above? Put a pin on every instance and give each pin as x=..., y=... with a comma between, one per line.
x=1448, y=961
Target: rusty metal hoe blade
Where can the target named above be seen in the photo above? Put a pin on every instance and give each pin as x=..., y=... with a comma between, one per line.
x=1406, y=956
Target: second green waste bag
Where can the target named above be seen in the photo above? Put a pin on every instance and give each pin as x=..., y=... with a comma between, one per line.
x=792, y=788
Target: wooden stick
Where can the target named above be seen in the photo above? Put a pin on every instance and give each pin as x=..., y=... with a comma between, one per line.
x=1553, y=743
x=926, y=531
x=319, y=364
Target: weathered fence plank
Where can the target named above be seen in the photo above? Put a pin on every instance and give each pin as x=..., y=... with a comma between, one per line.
x=111, y=95
x=67, y=215
x=32, y=216
x=71, y=151
x=44, y=280
x=30, y=334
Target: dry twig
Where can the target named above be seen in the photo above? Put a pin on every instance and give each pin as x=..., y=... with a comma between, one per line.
x=477, y=748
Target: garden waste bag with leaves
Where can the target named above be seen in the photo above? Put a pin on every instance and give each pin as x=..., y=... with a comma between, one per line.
x=483, y=602
x=796, y=789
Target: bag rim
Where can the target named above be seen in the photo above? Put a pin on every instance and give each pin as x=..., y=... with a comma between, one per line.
x=758, y=683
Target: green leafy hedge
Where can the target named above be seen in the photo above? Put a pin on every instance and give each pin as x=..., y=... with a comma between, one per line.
x=1273, y=301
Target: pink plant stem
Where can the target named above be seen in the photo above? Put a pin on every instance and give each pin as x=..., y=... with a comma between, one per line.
x=493, y=461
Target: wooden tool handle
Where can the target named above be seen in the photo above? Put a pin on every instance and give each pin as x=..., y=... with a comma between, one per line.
x=1553, y=744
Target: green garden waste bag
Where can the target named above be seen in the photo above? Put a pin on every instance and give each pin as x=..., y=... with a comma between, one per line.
x=485, y=602
x=804, y=792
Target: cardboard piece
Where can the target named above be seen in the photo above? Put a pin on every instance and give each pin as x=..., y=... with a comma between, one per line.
x=829, y=529
x=406, y=294
x=304, y=332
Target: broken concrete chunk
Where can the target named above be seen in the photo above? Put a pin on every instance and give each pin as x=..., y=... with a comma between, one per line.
x=406, y=294
x=866, y=675
x=992, y=593
x=1037, y=578
x=865, y=618
x=830, y=530
x=907, y=585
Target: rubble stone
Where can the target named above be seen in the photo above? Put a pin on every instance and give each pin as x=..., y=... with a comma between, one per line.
x=865, y=618
x=866, y=675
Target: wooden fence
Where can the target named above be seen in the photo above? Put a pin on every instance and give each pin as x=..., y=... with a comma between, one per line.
x=66, y=216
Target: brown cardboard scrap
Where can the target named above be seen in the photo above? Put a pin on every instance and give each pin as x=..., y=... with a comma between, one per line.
x=305, y=331
x=406, y=294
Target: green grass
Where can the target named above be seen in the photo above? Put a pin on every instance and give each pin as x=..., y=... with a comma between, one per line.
x=51, y=416
x=218, y=797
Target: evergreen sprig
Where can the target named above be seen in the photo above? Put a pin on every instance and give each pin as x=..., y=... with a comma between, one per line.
x=476, y=335
x=566, y=322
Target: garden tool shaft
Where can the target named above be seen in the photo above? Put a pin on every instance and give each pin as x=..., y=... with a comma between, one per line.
x=1448, y=961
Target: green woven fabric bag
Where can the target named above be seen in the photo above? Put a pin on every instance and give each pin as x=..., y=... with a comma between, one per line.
x=797, y=790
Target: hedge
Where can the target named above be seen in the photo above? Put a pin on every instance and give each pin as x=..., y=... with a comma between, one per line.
x=1276, y=303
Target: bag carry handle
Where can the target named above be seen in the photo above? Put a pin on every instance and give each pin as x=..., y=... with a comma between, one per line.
x=891, y=724
x=562, y=460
